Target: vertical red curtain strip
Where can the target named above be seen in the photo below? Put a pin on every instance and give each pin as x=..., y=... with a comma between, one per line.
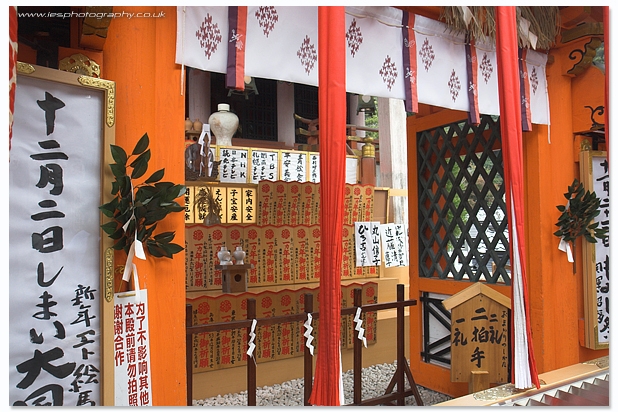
x=474, y=117
x=332, y=115
x=512, y=141
x=524, y=85
x=607, y=71
x=409, y=62
x=237, y=17
x=12, y=66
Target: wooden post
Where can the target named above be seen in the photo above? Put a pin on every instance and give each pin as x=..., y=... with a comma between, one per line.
x=358, y=353
x=189, y=354
x=479, y=381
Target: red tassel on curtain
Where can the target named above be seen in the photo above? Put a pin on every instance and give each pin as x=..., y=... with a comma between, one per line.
x=332, y=115
x=512, y=148
x=12, y=66
x=607, y=71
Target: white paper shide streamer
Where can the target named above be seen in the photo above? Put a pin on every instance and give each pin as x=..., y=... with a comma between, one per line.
x=307, y=334
x=359, y=328
x=251, y=339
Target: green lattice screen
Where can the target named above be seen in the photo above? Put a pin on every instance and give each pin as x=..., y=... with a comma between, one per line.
x=463, y=233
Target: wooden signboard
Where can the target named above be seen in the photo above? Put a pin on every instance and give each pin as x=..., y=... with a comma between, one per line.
x=594, y=172
x=479, y=336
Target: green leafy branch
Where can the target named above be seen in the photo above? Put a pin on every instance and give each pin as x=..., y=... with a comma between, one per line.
x=576, y=218
x=140, y=207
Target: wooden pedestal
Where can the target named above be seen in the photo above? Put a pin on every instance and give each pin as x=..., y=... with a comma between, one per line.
x=234, y=277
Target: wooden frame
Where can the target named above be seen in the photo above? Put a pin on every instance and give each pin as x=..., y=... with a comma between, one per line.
x=595, y=178
x=74, y=180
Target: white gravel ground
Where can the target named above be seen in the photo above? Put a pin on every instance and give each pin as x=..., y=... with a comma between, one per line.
x=375, y=381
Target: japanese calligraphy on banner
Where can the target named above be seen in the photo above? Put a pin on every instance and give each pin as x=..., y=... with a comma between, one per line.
x=55, y=262
x=132, y=350
x=394, y=239
x=293, y=166
x=234, y=165
x=367, y=238
x=594, y=171
x=264, y=165
x=314, y=168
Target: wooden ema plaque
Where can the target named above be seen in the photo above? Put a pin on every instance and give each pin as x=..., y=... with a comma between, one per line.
x=479, y=336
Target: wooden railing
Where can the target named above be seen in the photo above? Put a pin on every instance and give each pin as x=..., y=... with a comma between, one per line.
x=398, y=379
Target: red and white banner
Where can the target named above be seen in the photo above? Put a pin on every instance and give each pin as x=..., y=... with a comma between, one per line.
x=132, y=385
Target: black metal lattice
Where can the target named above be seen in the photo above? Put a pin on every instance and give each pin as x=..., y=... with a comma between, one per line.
x=463, y=229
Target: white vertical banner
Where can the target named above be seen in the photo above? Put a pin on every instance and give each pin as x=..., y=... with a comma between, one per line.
x=600, y=186
x=54, y=251
x=375, y=250
x=401, y=239
x=132, y=385
x=389, y=246
x=314, y=167
x=362, y=242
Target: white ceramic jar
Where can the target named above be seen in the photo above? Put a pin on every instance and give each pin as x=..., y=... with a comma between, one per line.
x=223, y=124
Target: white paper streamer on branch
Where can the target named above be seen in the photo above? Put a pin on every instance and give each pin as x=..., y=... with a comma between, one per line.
x=359, y=327
x=566, y=247
x=307, y=334
x=251, y=339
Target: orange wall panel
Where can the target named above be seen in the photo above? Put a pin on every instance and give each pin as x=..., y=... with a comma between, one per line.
x=139, y=56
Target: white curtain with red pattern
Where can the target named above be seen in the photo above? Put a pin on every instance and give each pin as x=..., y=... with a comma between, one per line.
x=281, y=44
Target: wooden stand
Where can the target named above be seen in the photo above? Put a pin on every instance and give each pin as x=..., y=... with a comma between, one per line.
x=234, y=277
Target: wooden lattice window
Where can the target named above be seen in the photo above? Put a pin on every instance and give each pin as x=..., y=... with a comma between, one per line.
x=463, y=230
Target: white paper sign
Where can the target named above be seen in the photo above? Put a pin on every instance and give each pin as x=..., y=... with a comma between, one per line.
x=362, y=243
x=394, y=239
x=264, y=165
x=234, y=165
x=293, y=166
x=132, y=385
x=314, y=168
x=54, y=235
x=375, y=251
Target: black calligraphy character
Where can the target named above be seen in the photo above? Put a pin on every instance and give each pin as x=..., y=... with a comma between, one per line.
x=49, y=106
x=48, y=245
x=605, y=324
x=47, y=215
x=477, y=356
x=51, y=174
x=84, y=398
x=57, y=396
x=45, y=314
x=60, y=332
x=481, y=335
x=83, y=292
x=36, y=338
x=49, y=144
x=40, y=276
x=32, y=367
x=85, y=341
x=459, y=338
x=83, y=316
x=480, y=317
x=83, y=371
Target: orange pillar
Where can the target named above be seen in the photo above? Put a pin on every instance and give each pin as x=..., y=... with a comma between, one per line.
x=139, y=56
